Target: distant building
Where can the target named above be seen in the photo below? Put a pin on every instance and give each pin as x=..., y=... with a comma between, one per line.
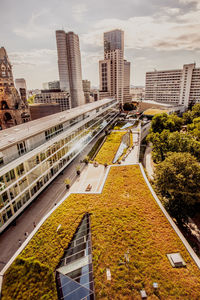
x=114, y=71
x=86, y=91
x=94, y=93
x=40, y=110
x=137, y=93
x=127, y=72
x=69, y=66
x=13, y=107
x=20, y=84
x=181, y=86
x=54, y=96
x=51, y=85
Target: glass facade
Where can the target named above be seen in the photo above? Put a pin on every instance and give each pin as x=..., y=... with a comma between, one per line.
x=74, y=276
x=24, y=182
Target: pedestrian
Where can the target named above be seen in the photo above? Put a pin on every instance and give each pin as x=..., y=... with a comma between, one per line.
x=20, y=242
x=26, y=234
x=34, y=225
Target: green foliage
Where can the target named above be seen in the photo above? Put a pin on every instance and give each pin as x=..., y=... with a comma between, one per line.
x=109, y=148
x=31, y=273
x=166, y=141
x=190, y=115
x=129, y=106
x=124, y=218
x=194, y=128
x=177, y=178
x=31, y=99
x=165, y=121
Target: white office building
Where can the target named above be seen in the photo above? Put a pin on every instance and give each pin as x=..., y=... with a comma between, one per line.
x=33, y=154
x=180, y=86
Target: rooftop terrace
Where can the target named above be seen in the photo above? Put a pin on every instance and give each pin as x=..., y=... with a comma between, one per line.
x=130, y=236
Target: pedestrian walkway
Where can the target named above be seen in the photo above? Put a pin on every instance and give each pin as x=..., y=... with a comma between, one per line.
x=92, y=176
x=148, y=162
x=133, y=156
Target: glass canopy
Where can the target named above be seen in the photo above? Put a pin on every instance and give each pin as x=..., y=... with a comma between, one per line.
x=74, y=276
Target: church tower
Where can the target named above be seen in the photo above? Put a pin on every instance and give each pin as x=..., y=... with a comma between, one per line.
x=13, y=108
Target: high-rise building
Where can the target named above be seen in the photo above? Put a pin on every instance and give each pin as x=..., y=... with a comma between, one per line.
x=69, y=66
x=181, y=86
x=127, y=72
x=112, y=68
x=13, y=107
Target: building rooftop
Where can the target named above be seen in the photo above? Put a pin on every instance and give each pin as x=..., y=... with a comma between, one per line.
x=21, y=132
x=131, y=238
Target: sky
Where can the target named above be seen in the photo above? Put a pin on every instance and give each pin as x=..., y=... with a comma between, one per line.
x=159, y=34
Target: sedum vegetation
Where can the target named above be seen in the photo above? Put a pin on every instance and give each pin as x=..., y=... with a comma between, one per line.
x=124, y=219
x=109, y=148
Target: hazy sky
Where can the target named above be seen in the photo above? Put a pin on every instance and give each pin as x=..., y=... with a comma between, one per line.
x=159, y=34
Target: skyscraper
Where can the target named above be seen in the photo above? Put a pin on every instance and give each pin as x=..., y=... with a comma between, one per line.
x=69, y=65
x=127, y=70
x=111, y=69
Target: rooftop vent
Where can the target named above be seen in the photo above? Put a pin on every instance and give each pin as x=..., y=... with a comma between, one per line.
x=143, y=294
x=176, y=260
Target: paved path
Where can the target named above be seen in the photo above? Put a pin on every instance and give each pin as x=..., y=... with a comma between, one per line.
x=148, y=162
x=133, y=156
x=90, y=175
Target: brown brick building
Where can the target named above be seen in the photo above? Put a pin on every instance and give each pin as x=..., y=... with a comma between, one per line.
x=13, y=108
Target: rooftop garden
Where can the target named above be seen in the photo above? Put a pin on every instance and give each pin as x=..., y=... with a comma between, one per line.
x=154, y=111
x=109, y=148
x=125, y=220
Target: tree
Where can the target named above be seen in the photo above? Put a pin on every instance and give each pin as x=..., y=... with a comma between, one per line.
x=196, y=111
x=177, y=179
x=129, y=106
x=194, y=128
x=165, y=121
x=31, y=99
x=167, y=141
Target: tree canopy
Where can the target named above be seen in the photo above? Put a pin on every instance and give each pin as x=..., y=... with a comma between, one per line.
x=165, y=121
x=177, y=178
x=129, y=106
x=167, y=141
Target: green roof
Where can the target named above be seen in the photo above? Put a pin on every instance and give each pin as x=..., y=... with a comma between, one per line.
x=125, y=219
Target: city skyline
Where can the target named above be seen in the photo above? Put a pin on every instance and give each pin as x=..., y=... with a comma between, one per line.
x=152, y=31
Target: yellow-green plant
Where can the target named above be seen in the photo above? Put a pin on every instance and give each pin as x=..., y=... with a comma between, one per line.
x=124, y=219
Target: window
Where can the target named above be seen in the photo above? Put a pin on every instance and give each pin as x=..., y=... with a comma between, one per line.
x=20, y=169
x=21, y=148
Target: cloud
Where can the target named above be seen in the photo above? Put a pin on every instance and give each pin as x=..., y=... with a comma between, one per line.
x=33, y=29
x=159, y=31
x=33, y=57
x=79, y=11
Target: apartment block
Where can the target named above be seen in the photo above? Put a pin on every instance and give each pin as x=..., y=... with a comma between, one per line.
x=33, y=154
x=181, y=86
